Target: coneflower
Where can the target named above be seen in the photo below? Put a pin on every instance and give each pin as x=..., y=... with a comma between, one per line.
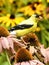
x=4, y=32
x=24, y=57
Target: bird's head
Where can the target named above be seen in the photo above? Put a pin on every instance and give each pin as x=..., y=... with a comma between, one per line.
x=35, y=17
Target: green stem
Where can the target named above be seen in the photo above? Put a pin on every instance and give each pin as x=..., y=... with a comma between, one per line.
x=7, y=58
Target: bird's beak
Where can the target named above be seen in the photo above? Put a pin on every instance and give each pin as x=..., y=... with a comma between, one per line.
x=38, y=17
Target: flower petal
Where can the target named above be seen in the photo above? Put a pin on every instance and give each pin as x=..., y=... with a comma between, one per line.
x=5, y=43
x=0, y=47
x=32, y=63
x=11, y=44
x=23, y=63
x=38, y=62
x=18, y=43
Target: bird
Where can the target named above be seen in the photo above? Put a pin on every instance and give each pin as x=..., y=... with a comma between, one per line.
x=26, y=26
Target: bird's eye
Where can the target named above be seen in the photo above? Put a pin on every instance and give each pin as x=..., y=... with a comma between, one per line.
x=37, y=15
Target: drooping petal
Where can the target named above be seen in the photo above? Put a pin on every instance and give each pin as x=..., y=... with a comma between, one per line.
x=45, y=53
x=23, y=63
x=27, y=63
x=18, y=43
x=32, y=63
x=5, y=43
x=17, y=64
x=11, y=36
x=11, y=44
x=0, y=47
x=37, y=62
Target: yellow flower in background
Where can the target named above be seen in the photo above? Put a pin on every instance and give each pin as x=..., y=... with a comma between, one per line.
x=40, y=8
x=1, y=3
x=10, y=1
x=3, y=12
x=1, y=20
x=47, y=0
x=19, y=19
x=27, y=10
x=39, y=0
x=38, y=29
x=36, y=7
x=10, y=20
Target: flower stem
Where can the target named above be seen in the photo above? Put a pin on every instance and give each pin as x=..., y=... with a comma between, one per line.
x=7, y=58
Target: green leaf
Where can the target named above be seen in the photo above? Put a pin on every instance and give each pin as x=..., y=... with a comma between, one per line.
x=4, y=60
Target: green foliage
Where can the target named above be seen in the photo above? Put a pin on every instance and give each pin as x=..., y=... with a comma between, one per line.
x=4, y=60
x=44, y=33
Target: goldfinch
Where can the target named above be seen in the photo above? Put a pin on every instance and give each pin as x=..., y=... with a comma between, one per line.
x=32, y=21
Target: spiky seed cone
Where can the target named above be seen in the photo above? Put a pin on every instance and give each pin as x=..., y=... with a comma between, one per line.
x=23, y=55
x=32, y=38
x=4, y=32
x=35, y=39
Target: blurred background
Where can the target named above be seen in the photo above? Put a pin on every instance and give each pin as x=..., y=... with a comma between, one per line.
x=13, y=12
